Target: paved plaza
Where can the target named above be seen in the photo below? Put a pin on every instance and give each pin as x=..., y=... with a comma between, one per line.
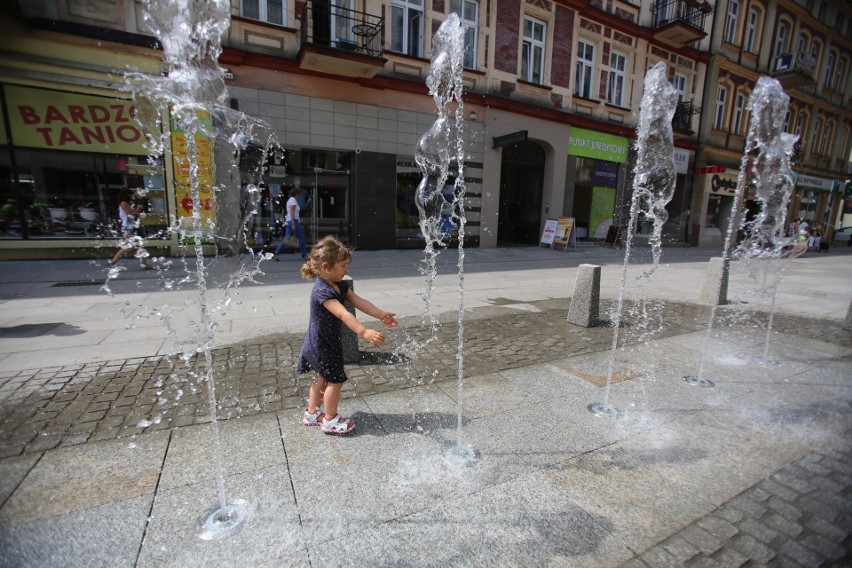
x=107, y=452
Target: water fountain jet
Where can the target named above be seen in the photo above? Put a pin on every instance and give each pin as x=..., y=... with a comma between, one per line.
x=773, y=188
x=653, y=188
x=440, y=146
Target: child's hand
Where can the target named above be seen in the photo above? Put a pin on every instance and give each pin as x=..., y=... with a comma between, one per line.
x=373, y=336
x=388, y=319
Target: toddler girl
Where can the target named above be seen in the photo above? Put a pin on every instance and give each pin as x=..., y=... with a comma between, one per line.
x=322, y=351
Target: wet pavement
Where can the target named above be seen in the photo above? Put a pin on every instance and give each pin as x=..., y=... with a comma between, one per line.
x=109, y=461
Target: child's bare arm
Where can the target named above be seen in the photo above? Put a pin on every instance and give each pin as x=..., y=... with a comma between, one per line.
x=368, y=308
x=339, y=311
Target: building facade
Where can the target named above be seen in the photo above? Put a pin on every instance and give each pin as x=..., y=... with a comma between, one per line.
x=807, y=46
x=552, y=93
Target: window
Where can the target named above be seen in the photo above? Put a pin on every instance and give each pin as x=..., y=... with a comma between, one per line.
x=803, y=43
x=787, y=118
x=815, y=49
x=532, y=58
x=781, y=39
x=468, y=13
x=815, y=135
x=680, y=86
x=751, y=30
x=585, y=69
x=829, y=71
x=406, y=27
x=618, y=68
x=719, y=115
x=739, y=108
x=800, y=126
x=825, y=147
x=840, y=76
x=271, y=11
x=731, y=21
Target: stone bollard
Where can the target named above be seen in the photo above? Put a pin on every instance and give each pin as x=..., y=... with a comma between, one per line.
x=715, y=291
x=348, y=338
x=848, y=324
x=586, y=301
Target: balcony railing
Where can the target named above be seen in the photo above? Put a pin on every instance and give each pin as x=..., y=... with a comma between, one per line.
x=689, y=12
x=682, y=118
x=325, y=24
x=793, y=69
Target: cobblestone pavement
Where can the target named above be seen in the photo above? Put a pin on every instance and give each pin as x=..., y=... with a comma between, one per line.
x=799, y=516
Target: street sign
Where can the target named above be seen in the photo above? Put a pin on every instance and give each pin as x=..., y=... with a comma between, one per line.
x=518, y=137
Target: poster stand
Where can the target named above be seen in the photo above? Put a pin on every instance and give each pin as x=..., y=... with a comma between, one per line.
x=566, y=233
x=548, y=233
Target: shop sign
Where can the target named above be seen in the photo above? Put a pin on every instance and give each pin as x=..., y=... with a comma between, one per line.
x=813, y=182
x=605, y=173
x=681, y=161
x=722, y=183
x=69, y=121
x=519, y=137
x=591, y=144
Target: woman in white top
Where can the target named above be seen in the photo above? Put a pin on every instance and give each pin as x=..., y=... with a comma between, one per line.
x=130, y=241
x=293, y=224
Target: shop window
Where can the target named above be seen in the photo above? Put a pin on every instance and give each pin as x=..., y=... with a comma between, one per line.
x=74, y=195
x=714, y=212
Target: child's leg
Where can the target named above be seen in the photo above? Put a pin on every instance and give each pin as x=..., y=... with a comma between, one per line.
x=318, y=388
x=331, y=398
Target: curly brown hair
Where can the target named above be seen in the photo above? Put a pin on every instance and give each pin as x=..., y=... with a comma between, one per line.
x=329, y=250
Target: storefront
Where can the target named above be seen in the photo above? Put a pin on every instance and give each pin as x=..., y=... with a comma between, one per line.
x=815, y=198
x=595, y=176
x=69, y=156
x=718, y=188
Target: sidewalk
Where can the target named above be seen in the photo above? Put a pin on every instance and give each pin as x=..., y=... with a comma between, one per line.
x=108, y=460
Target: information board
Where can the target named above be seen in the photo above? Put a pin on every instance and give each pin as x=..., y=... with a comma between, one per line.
x=565, y=233
x=549, y=232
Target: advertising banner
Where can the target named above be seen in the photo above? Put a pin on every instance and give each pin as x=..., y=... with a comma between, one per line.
x=598, y=145
x=565, y=233
x=548, y=233
x=182, y=175
x=605, y=174
x=58, y=120
x=600, y=216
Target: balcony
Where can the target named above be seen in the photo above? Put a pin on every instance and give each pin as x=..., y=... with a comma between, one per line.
x=682, y=119
x=678, y=23
x=793, y=70
x=340, y=41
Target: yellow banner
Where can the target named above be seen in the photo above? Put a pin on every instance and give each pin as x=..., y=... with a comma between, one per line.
x=183, y=182
x=69, y=121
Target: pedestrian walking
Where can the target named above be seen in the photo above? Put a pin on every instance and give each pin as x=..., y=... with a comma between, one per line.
x=130, y=240
x=322, y=351
x=293, y=224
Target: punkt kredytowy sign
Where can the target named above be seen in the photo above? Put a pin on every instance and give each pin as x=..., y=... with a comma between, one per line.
x=597, y=145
